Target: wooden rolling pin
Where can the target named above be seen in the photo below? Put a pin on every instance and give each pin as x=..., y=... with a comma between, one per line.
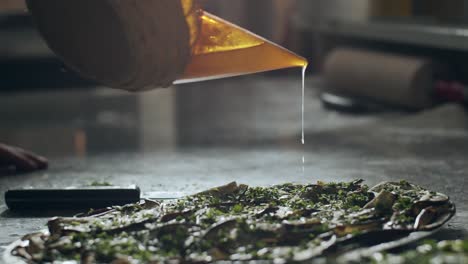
x=129, y=44
x=388, y=78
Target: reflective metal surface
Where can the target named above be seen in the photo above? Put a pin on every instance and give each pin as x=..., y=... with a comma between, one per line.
x=196, y=136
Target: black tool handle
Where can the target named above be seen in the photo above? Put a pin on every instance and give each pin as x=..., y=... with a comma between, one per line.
x=70, y=199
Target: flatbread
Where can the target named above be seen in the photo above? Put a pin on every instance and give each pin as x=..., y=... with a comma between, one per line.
x=283, y=223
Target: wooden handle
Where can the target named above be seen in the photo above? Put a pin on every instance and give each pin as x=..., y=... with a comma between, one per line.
x=129, y=44
x=12, y=5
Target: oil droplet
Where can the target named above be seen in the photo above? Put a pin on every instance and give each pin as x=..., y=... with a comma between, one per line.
x=303, y=164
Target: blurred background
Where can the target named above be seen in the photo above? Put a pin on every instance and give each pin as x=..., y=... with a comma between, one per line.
x=420, y=47
x=434, y=29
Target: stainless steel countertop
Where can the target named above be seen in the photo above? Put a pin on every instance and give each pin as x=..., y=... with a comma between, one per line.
x=193, y=137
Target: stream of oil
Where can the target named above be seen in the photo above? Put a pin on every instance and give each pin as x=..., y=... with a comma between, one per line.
x=215, y=42
x=304, y=69
x=303, y=103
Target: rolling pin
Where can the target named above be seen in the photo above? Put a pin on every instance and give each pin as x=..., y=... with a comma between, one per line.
x=143, y=44
x=384, y=77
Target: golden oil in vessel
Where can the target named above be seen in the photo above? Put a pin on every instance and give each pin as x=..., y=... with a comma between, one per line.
x=222, y=49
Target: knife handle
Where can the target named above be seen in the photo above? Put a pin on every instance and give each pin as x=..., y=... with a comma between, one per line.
x=70, y=199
